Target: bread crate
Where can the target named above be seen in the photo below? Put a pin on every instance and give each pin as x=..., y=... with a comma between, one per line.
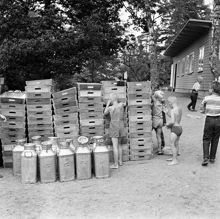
x=89, y=86
x=35, y=132
x=139, y=102
x=11, y=100
x=90, y=93
x=115, y=89
x=142, y=111
x=139, y=128
x=38, y=101
x=40, y=82
x=72, y=116
x=65, y=99
x=86, y=106
x=65, y=104
x=65, y=110
x=12, y=112
x=38, y=88
x=39, y=108
x=39, y=125
x=65, y=122
x=37, y=120
x=11, y=124
x=108, y=84
x=140, y=118
x=90, y=99
x=65, y=93
x=45, y=95
x=86, y=129
x=91, y=115
x=92, y=122
x=40, y=113
x=67, y=128
x=140, y=135
x=15, y=118
x=140, y=143
x=12, y=106
x=139, y=96
x=7, y=130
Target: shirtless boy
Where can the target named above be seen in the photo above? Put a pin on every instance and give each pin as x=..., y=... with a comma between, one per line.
x=175, y=127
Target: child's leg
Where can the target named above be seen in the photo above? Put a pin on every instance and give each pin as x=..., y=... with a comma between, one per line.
x=174, y=148
x=158, y=134
x=120, y=152
x=115, y=152
x=177, y=145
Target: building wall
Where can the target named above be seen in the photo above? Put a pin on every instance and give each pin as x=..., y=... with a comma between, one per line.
x=184, y=82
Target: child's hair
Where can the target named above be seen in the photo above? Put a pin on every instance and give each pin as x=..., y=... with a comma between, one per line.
x=114, y=96
x=159, y=94
x=216, y=87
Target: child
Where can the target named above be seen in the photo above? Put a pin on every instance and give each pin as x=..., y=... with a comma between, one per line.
x=175, y=127
x=117, y=128
x=211, y=134
x=158, y=118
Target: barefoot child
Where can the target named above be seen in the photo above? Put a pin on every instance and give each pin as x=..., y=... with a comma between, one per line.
x=175, y=127
x=117, y=128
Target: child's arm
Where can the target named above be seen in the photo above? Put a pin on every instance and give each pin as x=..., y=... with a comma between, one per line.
x=106, y=111
x=203, y=106
x=172, y=121
x=3, y=118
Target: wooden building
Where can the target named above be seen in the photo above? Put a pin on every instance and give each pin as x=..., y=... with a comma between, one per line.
x=190, y=51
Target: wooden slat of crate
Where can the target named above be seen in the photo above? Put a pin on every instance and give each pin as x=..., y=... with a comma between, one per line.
x=38, y=101
x=40, y=82
x=40, y=113
x=139, y=96
x=90, y=93
x=140, y=129
x=65, y=110
x=90, y=99
x=9, y=136
x=116, y=89
x=134, y=124
x=140, y=157
x=64, y=105
x=67, y=128
x=139, y=111
x=12, y=100
x=65, y=93
x=39, y=108
x=139, y=102
x=67, y=135
x=39, y=126
x=140, y=143
x=66, y=122
x=72, y=116
x=139, y=90
x=7, y=141
x=91, y=115
x=92, y=110
x=10, y=124
x=92, y=133
x=37, y=120
x=92, y=122
x=109, y=83
x=89, y=86
x=97, y=106
x=65, y=99
x=91, y=128
x=139, y=84
x=141, y=151
x=36, y=132
x=38, y=95
x=12, y=112
x=38, y=88
x=140, y=135
x=140, y=118
x=12, y=130
x=15, y=118
x=12, y=106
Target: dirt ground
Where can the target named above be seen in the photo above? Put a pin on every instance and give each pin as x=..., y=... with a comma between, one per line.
x=149, y=189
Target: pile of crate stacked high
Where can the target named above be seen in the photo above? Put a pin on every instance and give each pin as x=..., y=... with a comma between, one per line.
x=66, y=122
x=140, y=120
x=91, y=109
x=13, y=108
x=39, y=108
x=109, y=87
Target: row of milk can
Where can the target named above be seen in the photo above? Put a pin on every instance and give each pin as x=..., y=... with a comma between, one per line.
x=48, y=159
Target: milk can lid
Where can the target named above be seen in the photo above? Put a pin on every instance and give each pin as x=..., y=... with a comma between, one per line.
x=83, y=140
x=46, y=145
x=21, y=141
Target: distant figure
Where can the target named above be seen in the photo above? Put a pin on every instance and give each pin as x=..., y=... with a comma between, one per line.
x=117, y=127
x=119, y=80
x=158, y=118
x=175, y=127
x=194, y=94
x=211, y=105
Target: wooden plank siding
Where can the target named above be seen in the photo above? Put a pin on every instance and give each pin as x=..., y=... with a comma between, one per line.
x=185, y=82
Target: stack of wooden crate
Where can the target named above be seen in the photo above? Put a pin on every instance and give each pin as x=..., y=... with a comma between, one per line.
x=91, y=109
x=13, y=108
x=140, y=120
x=66, y=122
x=109, y=87
x=39, y=108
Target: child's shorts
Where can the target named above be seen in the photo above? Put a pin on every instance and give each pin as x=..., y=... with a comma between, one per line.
x=117, y=129
x=157, y=123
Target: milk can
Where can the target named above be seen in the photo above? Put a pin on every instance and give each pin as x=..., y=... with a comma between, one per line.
x=37, y=141
x=72, y=147
x=47, y=163
x=66, y=163
x=55, y=143
x=29, y=164
x=16, y=155
x=83, y=159
x=101, y=158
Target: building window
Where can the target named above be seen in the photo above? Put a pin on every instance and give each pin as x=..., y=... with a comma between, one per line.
x=201, y=58
x=187, y=65
x=191, y=62
x=183, y=66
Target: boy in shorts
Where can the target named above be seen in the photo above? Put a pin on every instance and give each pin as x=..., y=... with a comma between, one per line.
x=175, y=127
x=117, y=128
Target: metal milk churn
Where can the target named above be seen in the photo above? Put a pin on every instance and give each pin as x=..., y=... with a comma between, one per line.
x=37, y=141
x=66, y=163
x=101, y=158
x=47, y=163
x=55, y=143
x=83, y=159
x=29, y=164
x=16, y=155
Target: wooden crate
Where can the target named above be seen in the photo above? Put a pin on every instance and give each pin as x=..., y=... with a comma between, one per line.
x=91, y=115
x=39, y=108
x=72, y=116
x=65, y=93
x=116, y=89
x=10, y=124
x=12, y=100
x=108, y=84
x=141, y=151
x=36, y=120
x=65, y=122
x=97, y=106
x=89, y=93
x=40, y=82
x=11, y=140
x=38, y=95
x=67, y=134
x=134, y=157
x=92, y=133
x=9, y=136
x=38, y=88
x=89, y=86
x=12, y=112
x=139, y=102
x=40, y=113
x=90, y=99
x=67, y=128
x=141, y=143
x=139, y=84
x=37, y=132
x=65, y=104
x=140, y=129
x=7, y=130
x=139, y=111
x=140, y=135
x=39, y=126
x=20, y=107
x=92, y=122
x=139, y=96
x=65, y=99
x=38, y=101
x=65, y=110
x=15, y=118
x=140, y=118
x=86, y=129
x=91, y=110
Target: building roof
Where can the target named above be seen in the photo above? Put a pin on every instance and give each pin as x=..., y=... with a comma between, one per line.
x=191, y=31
